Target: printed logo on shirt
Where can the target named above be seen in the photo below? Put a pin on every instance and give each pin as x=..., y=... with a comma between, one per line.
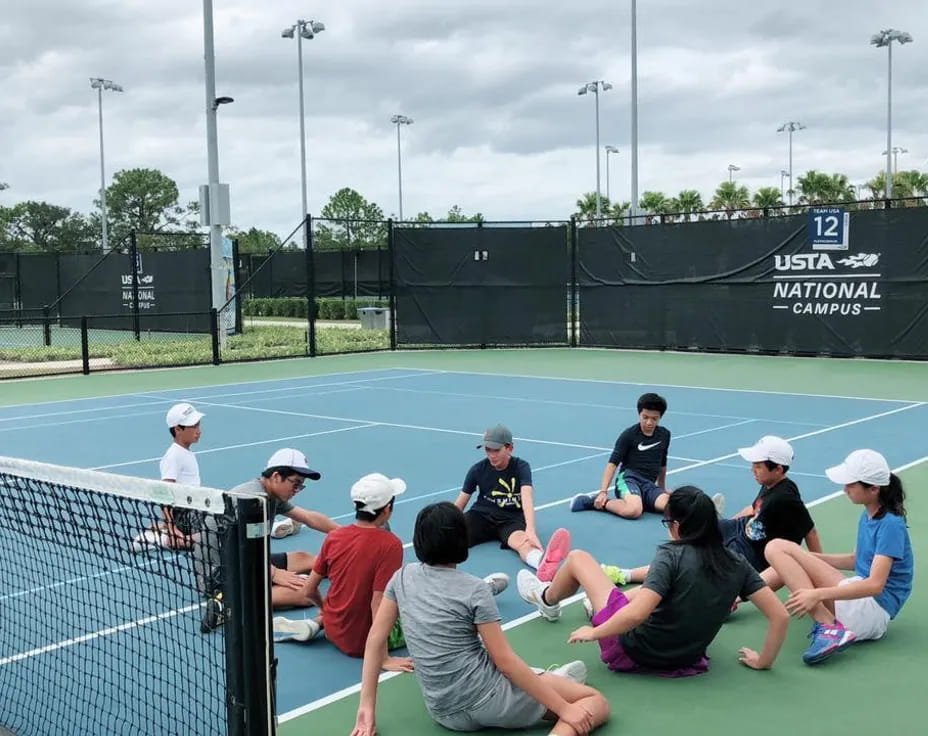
x=754, y=530
x=508, y=497
x=642, y=447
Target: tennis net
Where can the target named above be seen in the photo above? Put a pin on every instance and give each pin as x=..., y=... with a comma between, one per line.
x=99, y=635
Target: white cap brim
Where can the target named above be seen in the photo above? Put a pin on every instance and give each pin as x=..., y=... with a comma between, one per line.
x=194, y=418
x=841, y=475
x=752, y=454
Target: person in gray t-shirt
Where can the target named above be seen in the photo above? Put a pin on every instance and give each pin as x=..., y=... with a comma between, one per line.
x=453, y=633
x=666, y=625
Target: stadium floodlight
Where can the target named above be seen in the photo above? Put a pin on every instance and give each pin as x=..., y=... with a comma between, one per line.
x=609, y=149
x=896, y=150
x=731, y=169
x=595, y=87
x=886, y=38
x=790, y=127
x=399, y=121
x=100, y=84
x=303, y=29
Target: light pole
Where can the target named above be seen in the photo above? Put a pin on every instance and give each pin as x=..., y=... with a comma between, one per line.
x=302, y=29
x=634, y=111
x=783, y=175
x=609, y=149
x=896, y=150
x=399, y=120
x=595, y=86
x=790, y=127
x=731, y=169
x=886, y=38
x=100, y=84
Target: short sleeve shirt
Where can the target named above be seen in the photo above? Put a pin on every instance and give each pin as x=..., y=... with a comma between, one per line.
x=694, y=605
x=779, y=513
x=889, y=537
x=641, y=454
x=180, y=465
x=499, y=490
x=274, y=505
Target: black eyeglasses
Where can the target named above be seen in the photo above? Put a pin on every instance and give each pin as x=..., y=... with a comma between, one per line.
x=667, y=522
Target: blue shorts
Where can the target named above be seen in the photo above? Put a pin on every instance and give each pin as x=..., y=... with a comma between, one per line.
x=735, y=539
x=628, y=481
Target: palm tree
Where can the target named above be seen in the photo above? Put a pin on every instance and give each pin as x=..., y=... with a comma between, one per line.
x=617, y=211
x=586, y=207
x=814, y=187
x=839, y=189
x=730, y=196
x=688, y=202
x=768, y=198
x=654, y=203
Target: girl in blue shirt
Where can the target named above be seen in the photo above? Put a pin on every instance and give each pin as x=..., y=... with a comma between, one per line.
x=859, y=607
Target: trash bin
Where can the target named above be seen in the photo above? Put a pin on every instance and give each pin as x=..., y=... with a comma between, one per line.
x=373, y=318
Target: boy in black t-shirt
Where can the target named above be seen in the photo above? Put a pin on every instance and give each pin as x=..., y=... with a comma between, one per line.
x=505, y=510
x=640, y=456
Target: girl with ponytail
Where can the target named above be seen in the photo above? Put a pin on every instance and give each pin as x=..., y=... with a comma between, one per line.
x=859, y=607
x=665, y=626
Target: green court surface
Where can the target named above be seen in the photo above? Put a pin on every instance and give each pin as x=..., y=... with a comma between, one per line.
x=873, y=687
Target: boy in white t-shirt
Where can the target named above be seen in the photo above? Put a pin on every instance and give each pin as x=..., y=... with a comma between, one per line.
x=178, y=465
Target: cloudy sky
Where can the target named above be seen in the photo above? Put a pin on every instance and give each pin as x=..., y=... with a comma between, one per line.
x=491, y=84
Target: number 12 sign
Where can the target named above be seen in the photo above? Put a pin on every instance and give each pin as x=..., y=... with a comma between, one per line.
x=829, y=228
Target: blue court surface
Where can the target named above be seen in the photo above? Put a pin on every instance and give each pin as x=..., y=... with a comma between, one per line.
x=423, y=426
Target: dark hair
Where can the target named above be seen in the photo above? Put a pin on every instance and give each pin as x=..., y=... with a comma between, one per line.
x=171, y=430
x=440, y=536
x=694, y=511
x=652, y=402
x=360, y=515
x=773, y=466
x=892, y=498
x=284, y=471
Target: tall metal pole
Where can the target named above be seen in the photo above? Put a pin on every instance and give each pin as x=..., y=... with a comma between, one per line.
x=889, y=120
x=607, y=176
x=789, y=136
x=634, y=124
x=102, y=172
x=305, y=200
x=399, y=169
x=598, y=197
x=217, y=267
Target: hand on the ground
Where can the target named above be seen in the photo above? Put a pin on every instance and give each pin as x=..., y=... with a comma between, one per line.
x=750, y=658
x=364, y=725
x=287, y=579
x=398, y=664
x=600, y=501
x=584, y=633
x=577, y=717
x=802, y=601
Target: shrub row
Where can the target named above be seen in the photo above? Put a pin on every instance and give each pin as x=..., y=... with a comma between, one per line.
x=328, y=308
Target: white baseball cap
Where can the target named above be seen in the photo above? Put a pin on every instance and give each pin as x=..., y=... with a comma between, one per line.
x=290, y=458
x=775, y=449
x=183, y=415
x=375, y=491
x=864, y=466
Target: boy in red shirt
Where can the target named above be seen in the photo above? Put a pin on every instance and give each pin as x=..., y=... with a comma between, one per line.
x=358, y=559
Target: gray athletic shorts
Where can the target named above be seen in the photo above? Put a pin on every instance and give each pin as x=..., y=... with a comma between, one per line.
x=506, y=707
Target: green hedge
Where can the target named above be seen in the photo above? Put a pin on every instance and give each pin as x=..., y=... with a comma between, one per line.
x=328, y=308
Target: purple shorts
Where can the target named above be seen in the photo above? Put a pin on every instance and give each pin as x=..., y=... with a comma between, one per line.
x=616, y=658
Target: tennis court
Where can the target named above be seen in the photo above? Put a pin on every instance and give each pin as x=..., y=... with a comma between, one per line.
x=420, y=415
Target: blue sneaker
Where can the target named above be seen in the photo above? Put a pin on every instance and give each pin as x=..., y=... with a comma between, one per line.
x=826, y=641
x=581, y=502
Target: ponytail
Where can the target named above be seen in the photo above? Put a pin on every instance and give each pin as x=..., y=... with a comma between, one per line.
x=892, y=498
x=698, y=523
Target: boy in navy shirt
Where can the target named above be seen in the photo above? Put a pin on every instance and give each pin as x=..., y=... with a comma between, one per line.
x=640, y=456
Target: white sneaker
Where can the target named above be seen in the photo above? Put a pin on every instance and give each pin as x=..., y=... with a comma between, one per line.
x=285, y=528
x=303, y=629
x=575, y=671
x=530, y=589
x=588, y=607
x=718, y=500
x=148, y=539
x=498, y=582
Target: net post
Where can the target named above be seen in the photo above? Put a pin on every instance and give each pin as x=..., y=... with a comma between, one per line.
x=257, y=643
x=46, y=326
x=238, y=280
x=214, y=335
x=134, y=258
x=310, y=284
x=391, y=250
x=574, y=289
x=230, y=557
x=85, y=347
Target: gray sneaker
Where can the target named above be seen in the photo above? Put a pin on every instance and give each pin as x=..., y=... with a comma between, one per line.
x=575, y=671
x=530, y=589
x=498, y=582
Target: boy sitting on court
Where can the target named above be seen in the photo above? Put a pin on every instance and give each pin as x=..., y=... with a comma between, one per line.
x=640, y=456
x=358, y=560
x=505, y=510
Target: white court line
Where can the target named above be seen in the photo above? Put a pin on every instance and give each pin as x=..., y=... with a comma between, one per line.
x=99, y=634
x=384, y=676
x=582, y=403
x=669, y=385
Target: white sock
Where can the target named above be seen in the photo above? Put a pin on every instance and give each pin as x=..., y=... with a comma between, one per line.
x=533, y=558
x=626, y=573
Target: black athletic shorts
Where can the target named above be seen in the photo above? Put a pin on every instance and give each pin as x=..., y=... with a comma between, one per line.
x=487, y=526
x=279, y=560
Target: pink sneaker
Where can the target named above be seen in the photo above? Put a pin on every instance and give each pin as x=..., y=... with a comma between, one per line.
x=556, y=551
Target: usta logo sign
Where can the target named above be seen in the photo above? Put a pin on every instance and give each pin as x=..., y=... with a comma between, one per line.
x=822, y=261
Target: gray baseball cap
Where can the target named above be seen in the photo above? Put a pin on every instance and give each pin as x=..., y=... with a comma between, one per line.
x=496, y=437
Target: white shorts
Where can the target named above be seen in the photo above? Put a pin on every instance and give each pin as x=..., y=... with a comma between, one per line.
x=864, y=616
